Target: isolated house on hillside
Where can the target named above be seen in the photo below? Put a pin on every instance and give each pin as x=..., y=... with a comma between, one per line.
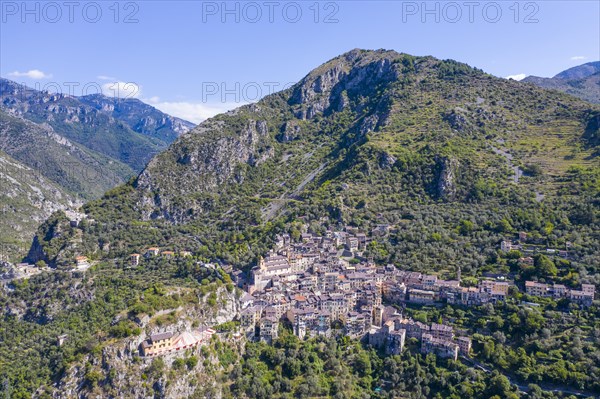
x=152, y=251
x=134, y=259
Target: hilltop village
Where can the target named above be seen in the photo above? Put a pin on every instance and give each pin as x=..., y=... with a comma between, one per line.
x=324, y=286
x=317, y=283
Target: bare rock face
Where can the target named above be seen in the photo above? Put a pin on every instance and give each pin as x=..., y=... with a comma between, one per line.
x=369, y=124
x=214, y=159
x=326, y=88
x=446, y=182
x=386, y=161
x=202, y=161
x=457, y=120
x=290, y=131
x=311, y=90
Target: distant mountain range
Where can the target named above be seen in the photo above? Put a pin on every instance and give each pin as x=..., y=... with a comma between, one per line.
x=140, y=117
x=582, y=81
x=128, y=131
x=57, y=148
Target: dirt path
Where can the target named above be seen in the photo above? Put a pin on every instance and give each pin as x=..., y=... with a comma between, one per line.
x=517, y=172
x=271, y=210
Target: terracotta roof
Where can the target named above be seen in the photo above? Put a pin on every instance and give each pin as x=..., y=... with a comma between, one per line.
x=161, y=336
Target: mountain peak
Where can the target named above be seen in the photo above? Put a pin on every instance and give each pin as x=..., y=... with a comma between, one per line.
x=580, y=71
x=328, y=85
x=356, y=112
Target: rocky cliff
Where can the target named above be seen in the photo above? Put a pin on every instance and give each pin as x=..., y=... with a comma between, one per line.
x=24, y=191
x=120, y=370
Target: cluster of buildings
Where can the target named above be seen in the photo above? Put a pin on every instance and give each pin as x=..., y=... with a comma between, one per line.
x=414, y=287
x=170, y=342
x=523, y=244
x=322, y=281
x=317, y=283
x=312, y=284
x=583, y=297
x=438, y=339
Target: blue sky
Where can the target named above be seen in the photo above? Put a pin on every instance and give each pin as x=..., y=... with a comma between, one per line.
x=194, y=59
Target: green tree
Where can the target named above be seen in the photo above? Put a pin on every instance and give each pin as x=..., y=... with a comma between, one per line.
x=544, y=267
x=466, y=227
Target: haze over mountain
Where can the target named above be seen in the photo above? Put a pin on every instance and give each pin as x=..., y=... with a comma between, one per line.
x=582, y=81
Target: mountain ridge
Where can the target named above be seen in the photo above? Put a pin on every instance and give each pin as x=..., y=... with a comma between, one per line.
x=582, y=81
x=580, y=71
x=140, y=117
x=89, y=121
x=79, y=170
x=331, y=89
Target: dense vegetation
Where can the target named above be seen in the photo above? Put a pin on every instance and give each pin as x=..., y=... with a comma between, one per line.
x=345, y=369
x=91, y=311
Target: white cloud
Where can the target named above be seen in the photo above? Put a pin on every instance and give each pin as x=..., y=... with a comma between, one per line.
x=519, y=76
x=578, y=58
x=31, y=74
x=152, y=100
x=104, y=77
x=121, y=89
x=193, y=112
